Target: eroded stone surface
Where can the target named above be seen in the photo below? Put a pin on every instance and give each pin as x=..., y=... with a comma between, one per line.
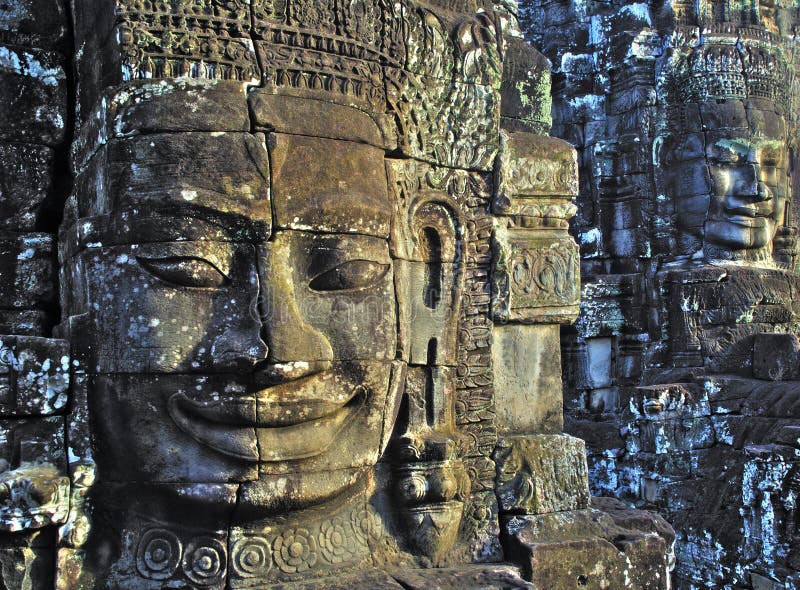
x=35, y=127
x=485, y=577
x=35, y=91
x=538, y=474
x=594, y=548
x=27, y=182
x=530, y=400
x=34, y=375
x=311, y=272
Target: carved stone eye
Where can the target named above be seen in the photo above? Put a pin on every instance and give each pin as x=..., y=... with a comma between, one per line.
x=185, y=271
x=354, y=274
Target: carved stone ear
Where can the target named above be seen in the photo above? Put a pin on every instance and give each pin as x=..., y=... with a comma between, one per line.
x=429, y=284
x=431, y=481
x=436, y=284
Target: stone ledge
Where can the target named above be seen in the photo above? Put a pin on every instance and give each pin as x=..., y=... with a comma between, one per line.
x=612, y=547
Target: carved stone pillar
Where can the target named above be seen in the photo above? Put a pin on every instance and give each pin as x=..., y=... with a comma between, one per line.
x=542, y=485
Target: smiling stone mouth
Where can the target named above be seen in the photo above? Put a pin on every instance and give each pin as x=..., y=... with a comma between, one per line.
x=743, y=211
x=231, y=427
x=748, y=216
x=748, y=211
x=747, y=221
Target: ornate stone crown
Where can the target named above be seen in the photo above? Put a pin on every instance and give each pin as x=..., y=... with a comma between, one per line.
x=728, y=62
x=205, y=39
x=397, y=58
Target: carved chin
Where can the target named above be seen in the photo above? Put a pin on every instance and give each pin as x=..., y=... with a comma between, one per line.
x=741, y=233
x=264, y=444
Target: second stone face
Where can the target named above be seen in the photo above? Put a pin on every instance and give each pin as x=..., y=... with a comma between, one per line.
x=310, y=297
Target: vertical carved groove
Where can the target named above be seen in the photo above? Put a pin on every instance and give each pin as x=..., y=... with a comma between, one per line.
x=429, y=392
x=433, y=268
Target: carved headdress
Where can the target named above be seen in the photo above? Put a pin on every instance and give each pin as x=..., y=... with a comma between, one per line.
x=728, y=62
x=725, y=62
x=400, y=63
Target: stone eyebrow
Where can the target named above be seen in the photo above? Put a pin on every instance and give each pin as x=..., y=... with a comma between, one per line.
x=219, y=254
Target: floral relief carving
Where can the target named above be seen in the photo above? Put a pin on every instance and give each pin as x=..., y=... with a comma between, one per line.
x=295, y=551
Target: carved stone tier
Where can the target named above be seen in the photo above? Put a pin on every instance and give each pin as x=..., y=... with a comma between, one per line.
x=542, y=483
x=541, y=473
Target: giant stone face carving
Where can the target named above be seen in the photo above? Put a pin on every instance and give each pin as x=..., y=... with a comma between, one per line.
x=255, y=346
x=749, y=194
x=725, y=160
x=241, y=330
x=731, y=184
x=303, y=238
x=256, y=306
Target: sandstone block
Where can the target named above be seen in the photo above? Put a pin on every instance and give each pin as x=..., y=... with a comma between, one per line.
x=33, y=23
x=539, y=474
x=27, y=270
x=776, y=357
x=610, y=547
x=34, y=375
x=527, y=365
x=26, y=179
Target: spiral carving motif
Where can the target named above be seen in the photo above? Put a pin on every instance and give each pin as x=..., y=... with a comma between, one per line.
x=252, y=557
x=204, y=561
x=158, y=554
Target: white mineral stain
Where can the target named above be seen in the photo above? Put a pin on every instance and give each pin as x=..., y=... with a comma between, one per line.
x=26, y=64
x=26, y=254
x=640, y=11
x=593, y=236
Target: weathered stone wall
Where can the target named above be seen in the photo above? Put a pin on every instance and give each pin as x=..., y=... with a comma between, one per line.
x=681, y=370
x=35, y=51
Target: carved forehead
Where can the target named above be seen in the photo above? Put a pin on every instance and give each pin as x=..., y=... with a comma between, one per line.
x=283, y=176
x=728, y=114
x=329, y=185
x=740, y=118
x=745, y=147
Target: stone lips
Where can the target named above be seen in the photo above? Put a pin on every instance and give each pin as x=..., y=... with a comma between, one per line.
x=290, y=442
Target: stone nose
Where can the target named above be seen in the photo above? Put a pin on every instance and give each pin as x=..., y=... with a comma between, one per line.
x=749, y=184
x=240, y=347
x=231, y=353
x=296, y=348
x=764, y=193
